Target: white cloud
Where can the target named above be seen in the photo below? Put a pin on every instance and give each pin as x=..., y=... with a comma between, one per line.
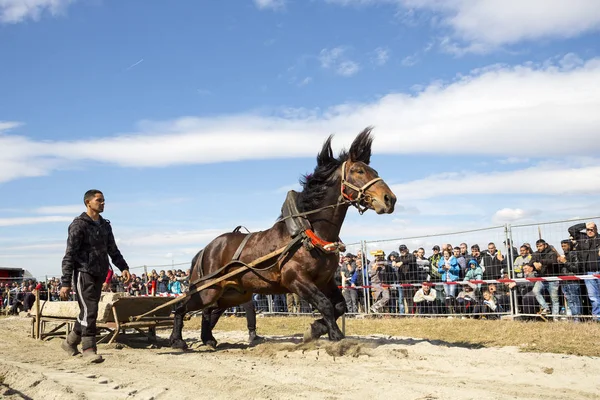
x=347, y=68
x=381, y=56
x=167, y=239
x=507, y=215
x=8, y=125
x=33, y=220
x=557, y=178
x=14, y=11
x=409, y=61
x=329, y=57
x=305, y=81
x=483, y=25
x=38, y=246
x=66, y=209
x=514, y=160
x=519, y=111
x=337, y=60
x=270, y=4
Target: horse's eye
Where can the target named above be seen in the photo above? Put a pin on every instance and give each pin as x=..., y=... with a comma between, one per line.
x=360, y=171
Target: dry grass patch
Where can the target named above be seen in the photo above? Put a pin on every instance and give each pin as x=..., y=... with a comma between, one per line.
x=551, y=337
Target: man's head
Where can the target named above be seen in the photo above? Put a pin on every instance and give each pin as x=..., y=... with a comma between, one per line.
x=475, y=250
x=436, y=249
x=403, y=249
x=591, y=229
x=523, y=251
x=456, y=251
x=492, y=248
x=566, y=245
x=94, y=200
x=541, y=245
x=349, y=257
x=463, y=248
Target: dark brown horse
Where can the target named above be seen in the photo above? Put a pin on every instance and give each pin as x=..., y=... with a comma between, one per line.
x=335, y=184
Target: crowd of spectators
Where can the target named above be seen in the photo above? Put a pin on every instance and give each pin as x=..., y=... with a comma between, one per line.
x=18, y=295
x=448, y=281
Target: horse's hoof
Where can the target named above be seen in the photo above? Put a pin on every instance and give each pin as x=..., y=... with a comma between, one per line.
x=211, y=344
x=178, y=344
x=336, y=337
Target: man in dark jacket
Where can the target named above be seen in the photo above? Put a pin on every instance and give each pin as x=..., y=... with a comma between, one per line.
x=569, y=265
x=545, y=262
x=89, y=244
x=491, y=262
x=588, y=250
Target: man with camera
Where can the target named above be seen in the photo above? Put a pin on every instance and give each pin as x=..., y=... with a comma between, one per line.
x=377, y=278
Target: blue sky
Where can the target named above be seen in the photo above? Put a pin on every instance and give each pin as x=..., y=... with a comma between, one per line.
x=195, y=117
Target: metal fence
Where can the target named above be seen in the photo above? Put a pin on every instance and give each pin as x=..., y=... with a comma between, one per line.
x=502, y=288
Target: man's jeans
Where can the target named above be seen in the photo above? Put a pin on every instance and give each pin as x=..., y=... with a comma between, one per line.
x=573, y=295
x=552, y=288
x=593, y=289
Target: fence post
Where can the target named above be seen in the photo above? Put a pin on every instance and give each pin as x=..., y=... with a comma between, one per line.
x=146, y=279
x=514, y=307
x=366, y=291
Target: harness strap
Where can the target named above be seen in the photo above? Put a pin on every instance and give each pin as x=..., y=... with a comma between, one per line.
x=328, y=247
x=236, y=255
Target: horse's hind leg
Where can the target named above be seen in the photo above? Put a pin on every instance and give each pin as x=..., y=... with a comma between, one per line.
x=320, y=327
x=196, y=302
x=327, y=324
x=210, y=317
x=176, y=339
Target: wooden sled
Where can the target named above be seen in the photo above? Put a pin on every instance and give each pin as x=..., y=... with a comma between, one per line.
x=57, y=318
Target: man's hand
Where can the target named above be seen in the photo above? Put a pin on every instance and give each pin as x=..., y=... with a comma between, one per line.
x=127, y=276
x=105, y=287
x=64, y=293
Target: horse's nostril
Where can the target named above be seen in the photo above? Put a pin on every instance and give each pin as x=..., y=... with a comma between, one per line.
x=387, y=200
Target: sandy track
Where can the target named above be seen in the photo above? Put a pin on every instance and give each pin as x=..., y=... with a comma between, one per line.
x=373, y=367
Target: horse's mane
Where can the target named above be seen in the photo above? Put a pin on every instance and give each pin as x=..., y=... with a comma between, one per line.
x=316, y=184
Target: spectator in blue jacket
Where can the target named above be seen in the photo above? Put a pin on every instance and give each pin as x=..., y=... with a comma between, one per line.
x=449, y=269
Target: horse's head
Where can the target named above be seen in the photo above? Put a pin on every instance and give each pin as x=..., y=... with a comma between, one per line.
x=361, y=184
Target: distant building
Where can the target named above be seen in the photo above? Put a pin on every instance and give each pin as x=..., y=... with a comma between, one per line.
x=9, y=273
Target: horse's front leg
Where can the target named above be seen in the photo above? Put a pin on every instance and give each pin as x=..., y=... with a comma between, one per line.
x=311, y=293
x=320, y=327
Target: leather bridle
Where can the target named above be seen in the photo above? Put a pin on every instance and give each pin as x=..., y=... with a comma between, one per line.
x=362, y=201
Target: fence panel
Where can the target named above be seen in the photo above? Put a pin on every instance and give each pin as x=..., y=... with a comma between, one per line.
x=502, y=288
x=420, y=289
x=563, y=292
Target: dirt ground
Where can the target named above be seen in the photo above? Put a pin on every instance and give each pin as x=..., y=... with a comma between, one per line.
x=283, y=367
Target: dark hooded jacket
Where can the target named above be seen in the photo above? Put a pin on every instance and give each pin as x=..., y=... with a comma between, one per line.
x=88, y=246
x=549, y=261
x=587, y=248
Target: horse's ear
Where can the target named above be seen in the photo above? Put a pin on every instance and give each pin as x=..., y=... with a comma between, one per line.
x=325, y=157
x=361, y=147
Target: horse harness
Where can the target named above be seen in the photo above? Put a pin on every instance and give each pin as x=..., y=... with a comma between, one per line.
x=298, y=227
